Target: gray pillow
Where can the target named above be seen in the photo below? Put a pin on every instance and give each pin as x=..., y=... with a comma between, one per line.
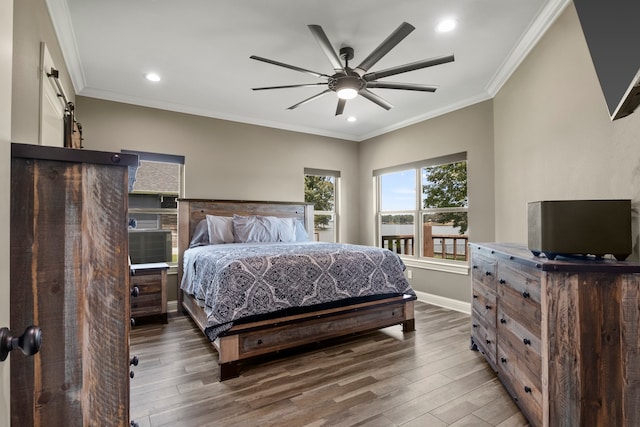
x=257, y=228
x=220, y=229
x=200, y=235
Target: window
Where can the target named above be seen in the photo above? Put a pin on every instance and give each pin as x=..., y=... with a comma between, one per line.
x=321, y=189
x=153, y=208
x=423, y=207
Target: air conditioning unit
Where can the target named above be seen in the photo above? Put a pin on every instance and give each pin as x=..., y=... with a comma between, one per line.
x=147, y=246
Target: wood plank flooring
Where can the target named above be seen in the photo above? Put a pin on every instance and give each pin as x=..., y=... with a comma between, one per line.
x=384, y=378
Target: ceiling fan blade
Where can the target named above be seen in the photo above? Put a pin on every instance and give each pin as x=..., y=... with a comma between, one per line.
x=389, y=43
x=291, y=67
x=408, y=67
x=289, y=86
x=375, y=99
x=311, y=98
x=403, y=86
x=341, y=104
x=325, y=44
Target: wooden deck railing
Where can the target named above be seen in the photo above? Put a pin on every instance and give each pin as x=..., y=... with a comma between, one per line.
x=447, y=245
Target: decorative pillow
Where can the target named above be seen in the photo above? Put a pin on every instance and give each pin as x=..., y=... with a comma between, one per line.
x=256, y=228
x=220, y=229
x=200, y=235
x=301, y=232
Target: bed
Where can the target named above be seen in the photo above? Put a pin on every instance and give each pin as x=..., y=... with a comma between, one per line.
x=253, y=298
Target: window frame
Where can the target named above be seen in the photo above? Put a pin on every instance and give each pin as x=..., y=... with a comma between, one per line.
x=335, y=216
x=418, y=259
x=160, y=158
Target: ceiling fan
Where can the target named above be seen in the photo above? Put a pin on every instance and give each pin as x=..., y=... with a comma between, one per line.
x=350, y=82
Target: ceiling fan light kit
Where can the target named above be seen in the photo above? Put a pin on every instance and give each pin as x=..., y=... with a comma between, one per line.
x=350, y=82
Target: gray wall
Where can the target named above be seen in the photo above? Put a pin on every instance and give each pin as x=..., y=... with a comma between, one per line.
x=226, y=160
x=553, y=135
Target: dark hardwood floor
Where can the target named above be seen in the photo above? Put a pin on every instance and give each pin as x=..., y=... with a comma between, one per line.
x=384, y=378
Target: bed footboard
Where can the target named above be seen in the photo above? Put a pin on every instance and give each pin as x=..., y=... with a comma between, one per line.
x=249, y=340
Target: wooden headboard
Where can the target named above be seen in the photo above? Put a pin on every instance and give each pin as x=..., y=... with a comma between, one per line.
x=192, y=211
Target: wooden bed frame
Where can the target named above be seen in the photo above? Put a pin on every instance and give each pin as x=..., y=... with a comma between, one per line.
x=248, y=340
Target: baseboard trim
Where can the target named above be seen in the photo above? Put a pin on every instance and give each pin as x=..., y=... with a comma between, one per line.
x=172, y=306
x=452, y=304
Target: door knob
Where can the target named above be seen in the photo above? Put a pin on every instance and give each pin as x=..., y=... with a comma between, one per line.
x=29, y=342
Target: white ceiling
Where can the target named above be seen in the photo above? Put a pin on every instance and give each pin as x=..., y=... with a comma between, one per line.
x=201, y=50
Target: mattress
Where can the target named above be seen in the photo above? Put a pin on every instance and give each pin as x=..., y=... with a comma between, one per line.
x=244, y=281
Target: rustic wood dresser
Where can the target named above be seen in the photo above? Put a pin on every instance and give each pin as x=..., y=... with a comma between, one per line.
x=562, y=335
x=70, y=276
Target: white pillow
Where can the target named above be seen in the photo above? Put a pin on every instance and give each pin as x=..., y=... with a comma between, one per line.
x=220, y=229
x=257, y=228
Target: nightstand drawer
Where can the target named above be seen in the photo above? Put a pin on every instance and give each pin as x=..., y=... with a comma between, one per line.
x=146, y=304
x=147, y=283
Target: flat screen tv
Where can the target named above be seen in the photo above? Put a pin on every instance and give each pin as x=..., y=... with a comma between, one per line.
x=148, y=246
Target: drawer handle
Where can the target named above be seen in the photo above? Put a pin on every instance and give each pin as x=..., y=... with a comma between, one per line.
x=503, y=320
x=131, y=374
x=475, y=325
x=526, y=341
x=487, y=273
x=259, y=342
x=488, y=341
x=134, y=361
x=503, y=360
x=502, y=281
x=488, y=307
x=527, y=389
x=475, y=296
x=135, y=291
x=475, y=267
x=526, y=294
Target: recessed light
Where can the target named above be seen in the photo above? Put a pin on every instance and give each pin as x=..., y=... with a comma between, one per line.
x=152, y=77
x=446, y=25
x=351, y=119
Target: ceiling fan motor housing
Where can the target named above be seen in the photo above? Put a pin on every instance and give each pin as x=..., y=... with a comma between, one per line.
x=350, y=81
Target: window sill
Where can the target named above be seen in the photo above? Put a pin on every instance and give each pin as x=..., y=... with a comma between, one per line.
x=429, y=264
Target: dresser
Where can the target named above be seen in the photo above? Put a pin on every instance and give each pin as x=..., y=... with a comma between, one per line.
x=563, y=336
x=70, y=276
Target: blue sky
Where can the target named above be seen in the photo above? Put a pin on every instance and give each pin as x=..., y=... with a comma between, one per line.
x=399, y=191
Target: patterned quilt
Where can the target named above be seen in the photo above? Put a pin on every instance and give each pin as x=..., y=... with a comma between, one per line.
x=236, y=281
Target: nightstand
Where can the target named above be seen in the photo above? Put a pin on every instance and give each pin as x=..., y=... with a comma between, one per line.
x=148, y=287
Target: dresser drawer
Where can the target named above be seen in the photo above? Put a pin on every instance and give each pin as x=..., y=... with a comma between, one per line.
x=521, y=279
x=484, y=337
x=484, y=270
x=521, y=349
x=484, y=303
x=524, y=389
x=520, y=309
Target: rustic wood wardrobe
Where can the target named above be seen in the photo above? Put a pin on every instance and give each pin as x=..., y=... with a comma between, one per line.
x=69, y=276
